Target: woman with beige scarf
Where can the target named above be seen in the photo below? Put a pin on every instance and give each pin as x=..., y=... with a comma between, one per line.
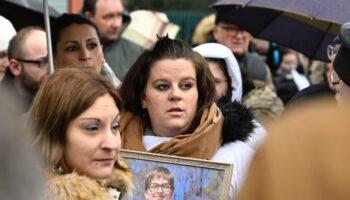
x=169, y=108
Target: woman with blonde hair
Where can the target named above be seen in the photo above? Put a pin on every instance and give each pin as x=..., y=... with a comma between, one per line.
x=75, y=120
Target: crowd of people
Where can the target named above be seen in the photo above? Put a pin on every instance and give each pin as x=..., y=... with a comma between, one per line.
x=216, y=100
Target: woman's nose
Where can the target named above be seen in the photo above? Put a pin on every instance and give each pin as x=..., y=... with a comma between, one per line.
x=83, y=54
x=111, y=141
x=175, y=94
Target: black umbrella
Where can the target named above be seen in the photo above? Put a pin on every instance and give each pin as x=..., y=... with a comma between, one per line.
x=24, y=13
x=307, y=26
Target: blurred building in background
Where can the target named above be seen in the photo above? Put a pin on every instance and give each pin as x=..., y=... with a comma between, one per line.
x=59, y=5
x=185, y=13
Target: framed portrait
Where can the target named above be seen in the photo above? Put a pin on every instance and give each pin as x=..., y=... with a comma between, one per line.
x=158, y=176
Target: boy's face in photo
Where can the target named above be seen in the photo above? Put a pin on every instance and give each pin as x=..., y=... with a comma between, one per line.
x=159, y=189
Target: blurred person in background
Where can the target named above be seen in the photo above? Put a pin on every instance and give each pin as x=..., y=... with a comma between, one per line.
x=28, y=64
x=308, y=162
x=332, y=51
x=231, y=81
x=8, y=31
x=324, y=89
x=238, y=40
x=111, y=18
x=20, y=176
x=203, y=31
x=305, y=156
x=340, y=76
x=233, y=85
x=288, y=81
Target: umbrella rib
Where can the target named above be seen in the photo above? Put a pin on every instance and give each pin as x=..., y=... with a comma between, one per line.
x=268, y=24
x=323, y=37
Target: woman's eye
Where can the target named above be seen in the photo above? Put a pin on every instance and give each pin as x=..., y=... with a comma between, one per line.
x=186, y=86
x=91, y=45
x=91, y=128
x=217, y=81
x=71, y=48
x=162, y=87
x=115, y=128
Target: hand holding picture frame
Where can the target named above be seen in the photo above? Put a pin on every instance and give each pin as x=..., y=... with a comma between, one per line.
x=173, y=177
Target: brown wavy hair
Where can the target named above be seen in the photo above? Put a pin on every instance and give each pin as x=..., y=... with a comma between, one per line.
x=63, y=97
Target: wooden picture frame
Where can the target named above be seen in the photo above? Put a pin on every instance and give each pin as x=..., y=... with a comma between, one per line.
x=192, y=178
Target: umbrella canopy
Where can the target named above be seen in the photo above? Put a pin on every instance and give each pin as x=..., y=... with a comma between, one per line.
x=24, y=13
x=307, y=26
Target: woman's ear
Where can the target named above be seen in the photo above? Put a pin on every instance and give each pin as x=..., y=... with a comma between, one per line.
x=143, y=102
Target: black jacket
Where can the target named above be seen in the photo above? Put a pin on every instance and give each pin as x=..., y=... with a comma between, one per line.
x=320, y=90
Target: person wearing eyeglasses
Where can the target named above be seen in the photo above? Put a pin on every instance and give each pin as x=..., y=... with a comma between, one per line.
x=28, y=64
x=340, y=76
x=237, y=40
x=341, y=86
x=324, y=89
x=332, y=51
x=159, y=184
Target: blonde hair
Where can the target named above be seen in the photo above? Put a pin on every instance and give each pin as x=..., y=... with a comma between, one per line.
x=62, y=98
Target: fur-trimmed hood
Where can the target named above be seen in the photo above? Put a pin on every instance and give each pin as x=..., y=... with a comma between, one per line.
x=73, y=186
x=238, y=120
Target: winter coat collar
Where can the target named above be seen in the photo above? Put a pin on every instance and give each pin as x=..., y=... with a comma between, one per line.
x=73, y=186
x=238, y=121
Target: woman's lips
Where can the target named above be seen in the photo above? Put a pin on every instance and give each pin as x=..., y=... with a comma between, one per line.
x=107, y=161
x=175, y=111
